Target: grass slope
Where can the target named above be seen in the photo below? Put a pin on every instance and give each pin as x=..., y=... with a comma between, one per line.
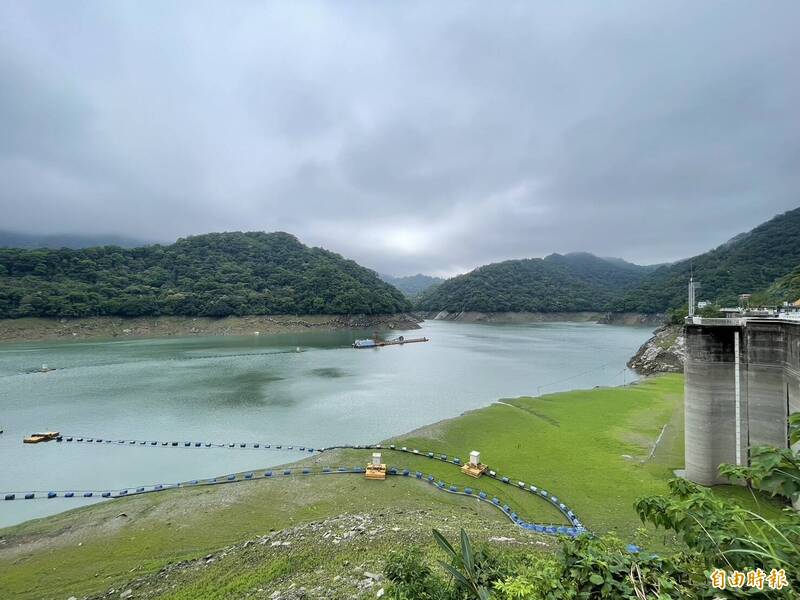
x=570, y=443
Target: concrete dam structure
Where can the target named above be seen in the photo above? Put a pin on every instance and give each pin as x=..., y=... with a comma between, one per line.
x=742, y=383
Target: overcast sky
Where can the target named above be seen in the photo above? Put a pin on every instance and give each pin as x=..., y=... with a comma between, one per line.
x=428, y=137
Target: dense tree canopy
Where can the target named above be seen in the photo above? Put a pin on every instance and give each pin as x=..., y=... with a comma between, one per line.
x=217, y=274
x=412, y=285
x=785, y=289
x=572, y=282
x=748, y=263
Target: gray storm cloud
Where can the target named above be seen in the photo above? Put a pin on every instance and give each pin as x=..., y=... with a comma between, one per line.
x=411, y=137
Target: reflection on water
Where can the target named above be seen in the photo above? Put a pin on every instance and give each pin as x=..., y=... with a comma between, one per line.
x=259, y=388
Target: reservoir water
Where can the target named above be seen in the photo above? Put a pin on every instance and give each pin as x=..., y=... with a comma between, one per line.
x=262, y=389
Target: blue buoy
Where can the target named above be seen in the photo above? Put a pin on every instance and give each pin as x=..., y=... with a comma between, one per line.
x=29, y=496
x=267, y=473
x=482, y=495
x=87, y=494
x=248, y=475
x=106, y=494
x=468, y=491
x=69, y=494
x=231, y=477
x=418, y=474
x=504, y=480
x=287, y=472
x=306, y=471
x=51, y=494
x=10, y=497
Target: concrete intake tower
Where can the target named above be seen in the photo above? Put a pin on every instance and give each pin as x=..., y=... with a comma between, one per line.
x=742, y=383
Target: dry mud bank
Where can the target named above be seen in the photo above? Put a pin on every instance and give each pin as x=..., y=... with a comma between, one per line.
x=108, y=327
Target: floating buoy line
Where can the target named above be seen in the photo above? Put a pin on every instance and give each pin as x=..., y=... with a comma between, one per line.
x=574, y=529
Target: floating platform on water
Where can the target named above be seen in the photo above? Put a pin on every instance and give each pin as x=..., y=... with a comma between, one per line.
x=376, y=343
x=36, y=438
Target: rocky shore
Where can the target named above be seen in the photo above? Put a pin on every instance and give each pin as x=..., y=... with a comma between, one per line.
x=113, y=327
x=665, y=352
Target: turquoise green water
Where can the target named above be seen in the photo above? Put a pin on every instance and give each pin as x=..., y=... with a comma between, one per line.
x=261, y=389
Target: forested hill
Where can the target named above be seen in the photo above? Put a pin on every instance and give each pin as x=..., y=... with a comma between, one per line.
x=748, y=263
x=217, y=274
x=570, y=282
x=412, y=285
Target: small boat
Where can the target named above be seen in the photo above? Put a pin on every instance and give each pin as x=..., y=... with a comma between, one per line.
x=375, y=342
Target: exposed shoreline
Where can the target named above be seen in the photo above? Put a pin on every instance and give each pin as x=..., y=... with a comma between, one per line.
x=550, y=317
x=39, y=329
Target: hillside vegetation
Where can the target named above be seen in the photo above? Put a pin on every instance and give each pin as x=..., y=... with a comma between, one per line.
x=215, y=275
x=766, y=258
x=785, y=289
x=412, y=285
x=749, y=262
x=571, y=282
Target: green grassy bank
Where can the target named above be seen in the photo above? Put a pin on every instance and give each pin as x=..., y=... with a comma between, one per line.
x=592, y=448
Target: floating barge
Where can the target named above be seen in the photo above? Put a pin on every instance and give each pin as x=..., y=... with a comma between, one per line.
x=36, y=438
x=377, y=343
